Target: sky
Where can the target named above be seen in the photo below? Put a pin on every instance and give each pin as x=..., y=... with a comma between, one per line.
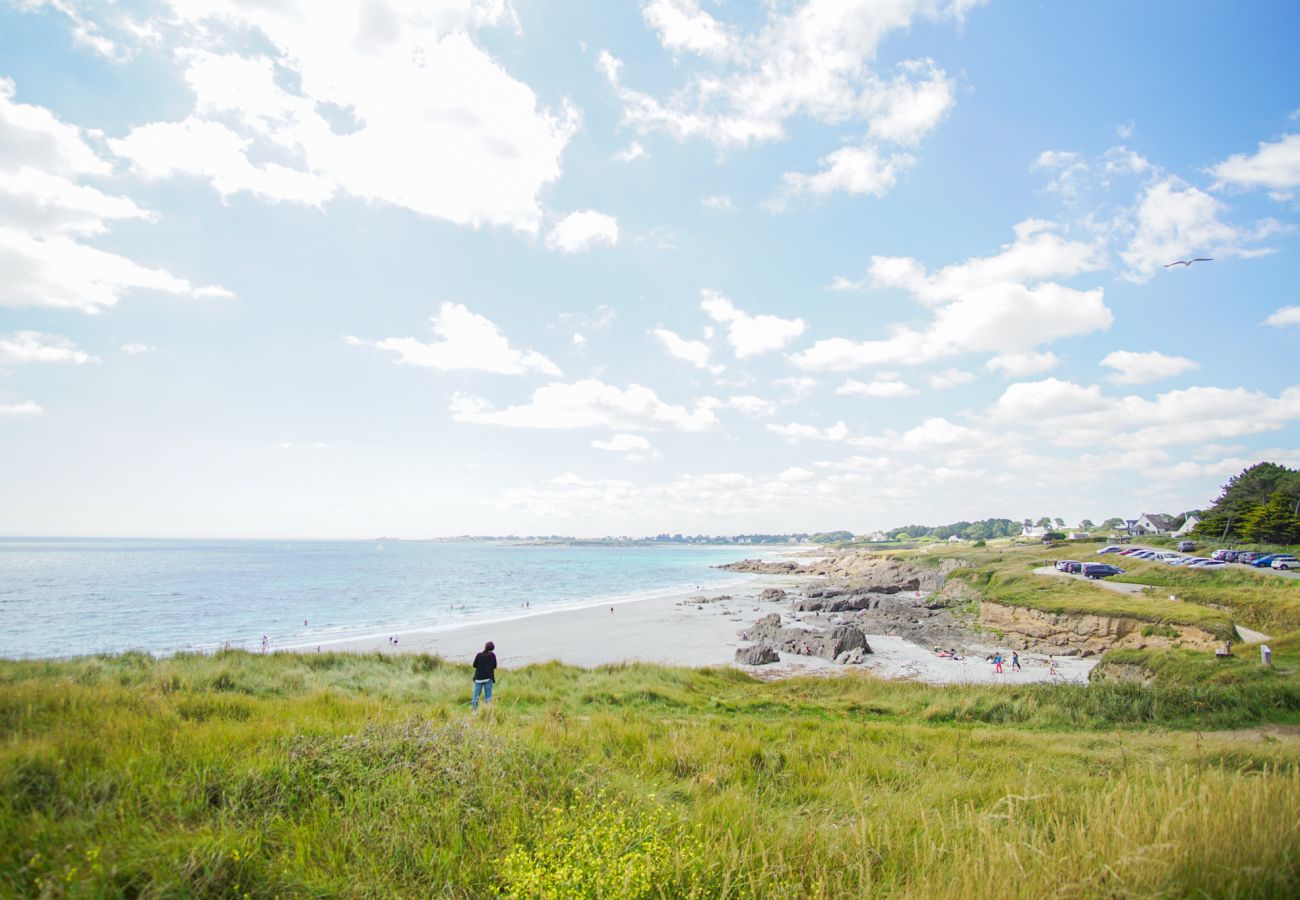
x=271, y=268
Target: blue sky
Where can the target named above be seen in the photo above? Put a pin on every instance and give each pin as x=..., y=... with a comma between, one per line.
x=476, y=266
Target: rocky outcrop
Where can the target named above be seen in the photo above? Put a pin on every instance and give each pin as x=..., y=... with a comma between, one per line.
x=1074, y=634
x=757, y=655
x=861, y=572
x=847, y=641
x=773, y=594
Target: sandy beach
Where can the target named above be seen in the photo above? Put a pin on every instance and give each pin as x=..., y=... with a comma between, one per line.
x=701, y=629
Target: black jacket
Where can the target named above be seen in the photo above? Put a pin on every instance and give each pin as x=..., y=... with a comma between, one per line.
x=485, y=666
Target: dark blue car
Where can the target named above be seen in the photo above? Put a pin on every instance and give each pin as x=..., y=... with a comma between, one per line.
x=1101, y=570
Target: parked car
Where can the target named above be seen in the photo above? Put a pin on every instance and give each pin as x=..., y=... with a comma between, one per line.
x=1130, y=551
x=1207, y=564
x=1285, y=561
x=1248, y=556
x=1192, y=560
x=1224, y=555
x=1186, y=546
x=1061, y=564
x=1264, y=561
x=1113, y=548
x=1101, y=570
x=1176, y=560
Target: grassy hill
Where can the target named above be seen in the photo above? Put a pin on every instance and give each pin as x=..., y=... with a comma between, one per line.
x=366, y=776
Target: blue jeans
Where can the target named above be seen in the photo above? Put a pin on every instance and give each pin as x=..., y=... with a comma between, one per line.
x=484, y=688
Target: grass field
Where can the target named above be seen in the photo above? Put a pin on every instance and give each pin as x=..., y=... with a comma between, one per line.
x=338, y=775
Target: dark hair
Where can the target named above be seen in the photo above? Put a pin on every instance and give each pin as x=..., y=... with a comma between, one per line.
x=489, y=646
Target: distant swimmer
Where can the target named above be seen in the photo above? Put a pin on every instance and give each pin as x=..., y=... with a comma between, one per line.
x=1187, y=262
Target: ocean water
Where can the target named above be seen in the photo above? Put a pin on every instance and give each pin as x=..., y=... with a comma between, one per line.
x=70, y=597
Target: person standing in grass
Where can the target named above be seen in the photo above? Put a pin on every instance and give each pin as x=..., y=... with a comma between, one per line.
x=485, y=669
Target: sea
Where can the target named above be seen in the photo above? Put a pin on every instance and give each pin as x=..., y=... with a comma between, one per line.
x=69, y=597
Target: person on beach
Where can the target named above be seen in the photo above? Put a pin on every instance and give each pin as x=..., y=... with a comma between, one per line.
x=1051, y=666
x=997, y=663
x=1015, y=661
x=485, y=668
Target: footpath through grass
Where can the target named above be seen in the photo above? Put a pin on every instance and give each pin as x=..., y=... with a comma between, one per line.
x=338, y=775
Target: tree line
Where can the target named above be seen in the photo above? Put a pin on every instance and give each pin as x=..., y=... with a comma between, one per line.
x=1261, y=505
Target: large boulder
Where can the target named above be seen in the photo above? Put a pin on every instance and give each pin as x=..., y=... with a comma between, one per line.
x=842, y=639
x=772, y=594
x=758, y=655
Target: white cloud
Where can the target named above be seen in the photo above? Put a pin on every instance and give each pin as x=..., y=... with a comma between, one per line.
x=1176, y=221
x=587, y=404
x=807, y=59
x=1016, y=365
x=212, y=151
x=622, y=443
x=1275, y=166
x=799, y=386
x=392, y=102
x=20, y=410
x=62, y=273
x=718, y=201
x=468, y=341
x=33, y=346
x=796, y=432
x=632, y=152
x=138, y=349
x=879, y=387
x=949, y=378
x=694, y=352
x=1037, y=254
x=749, y=335
x=682, y=25
x=583, y=230
x=1287, y=315
x=44, y=210
x=1139, y=368
x=751, y=405
x=1069, y=414
x=1001, y=318
x=850, y=170
x=934, y=432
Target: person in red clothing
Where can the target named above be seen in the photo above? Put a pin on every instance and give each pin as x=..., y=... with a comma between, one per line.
x=485, y=668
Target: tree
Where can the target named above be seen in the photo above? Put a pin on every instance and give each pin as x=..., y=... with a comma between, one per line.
x=1086, y=525
x=1274, y=522
x=1245, y=493
x=1113, y=523
x=1060, y=523
x=1028, y=523
x=1044, y=522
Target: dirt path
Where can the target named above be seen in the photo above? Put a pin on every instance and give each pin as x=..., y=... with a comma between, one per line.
x=1250, y=636
x=1121, y=587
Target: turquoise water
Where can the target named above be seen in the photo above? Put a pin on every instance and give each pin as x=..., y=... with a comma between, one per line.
x=69, y=597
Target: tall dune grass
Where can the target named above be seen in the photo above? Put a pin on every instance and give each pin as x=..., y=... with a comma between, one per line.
x=366, y=776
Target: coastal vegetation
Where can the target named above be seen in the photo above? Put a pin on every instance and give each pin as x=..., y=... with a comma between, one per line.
x=1261, y=505
x=366, y=775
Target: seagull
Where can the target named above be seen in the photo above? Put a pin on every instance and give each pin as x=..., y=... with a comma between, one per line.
x=1187, y=262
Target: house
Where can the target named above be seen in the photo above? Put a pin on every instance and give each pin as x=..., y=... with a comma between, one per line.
x=1152, y=523
x=1079, y=535
x=877, y=537
x=954, y=539
x=1191, y=522
x=1032, y=531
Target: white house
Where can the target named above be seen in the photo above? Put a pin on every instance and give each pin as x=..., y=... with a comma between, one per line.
x=1192, y=521
x=1152, y=523
x=1078, y=535
x=1032, y=531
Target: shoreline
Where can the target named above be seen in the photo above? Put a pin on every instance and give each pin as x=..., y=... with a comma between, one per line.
x=697, y=629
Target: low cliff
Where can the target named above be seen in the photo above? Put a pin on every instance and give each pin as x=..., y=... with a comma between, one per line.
x=1076, y=634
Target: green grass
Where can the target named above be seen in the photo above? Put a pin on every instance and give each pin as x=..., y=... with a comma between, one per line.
x=1007, y=577
x=1257, y=599
x=366, y=776
x=1242, y=669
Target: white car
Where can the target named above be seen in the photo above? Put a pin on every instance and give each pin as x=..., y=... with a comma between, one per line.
x=1285, y=562
x=1206, y=564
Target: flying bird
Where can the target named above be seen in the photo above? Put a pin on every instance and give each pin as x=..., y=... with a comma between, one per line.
x=1187, y=262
